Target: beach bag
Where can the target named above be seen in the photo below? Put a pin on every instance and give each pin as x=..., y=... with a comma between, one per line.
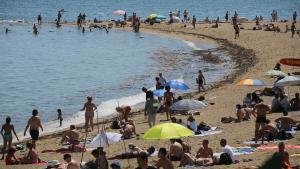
x=115, y=125
x=203, y=126
x=225, y=159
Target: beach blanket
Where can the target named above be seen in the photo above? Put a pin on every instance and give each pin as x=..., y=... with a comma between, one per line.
x=212, y=131
x=39, y=163
x=263, y=147
x=239, y=151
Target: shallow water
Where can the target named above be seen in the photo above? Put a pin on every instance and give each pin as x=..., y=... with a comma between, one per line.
x=58, y=68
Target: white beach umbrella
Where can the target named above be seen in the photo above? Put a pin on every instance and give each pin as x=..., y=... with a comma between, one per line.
x=104, y=139
x=288, y=81
x=188, y=104
x=276, y=73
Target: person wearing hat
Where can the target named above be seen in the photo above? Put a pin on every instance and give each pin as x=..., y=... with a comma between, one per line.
x=115, y=165
x=200, y=81
x=53, y=164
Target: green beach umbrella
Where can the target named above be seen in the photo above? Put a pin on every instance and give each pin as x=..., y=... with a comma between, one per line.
x=167, y=131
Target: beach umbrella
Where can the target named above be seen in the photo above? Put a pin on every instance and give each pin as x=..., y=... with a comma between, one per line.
x=167, y=131
x=161, y=17
x=159, y=92
x=251, y=82
x=152, y=16
x=187, y=105
x=174, y=84
x=276, y=73
x=104, y=139
x=119, y=12
x=288, y=81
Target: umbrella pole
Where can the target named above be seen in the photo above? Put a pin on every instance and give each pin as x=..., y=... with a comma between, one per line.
x=98, y=121
x=86, y=133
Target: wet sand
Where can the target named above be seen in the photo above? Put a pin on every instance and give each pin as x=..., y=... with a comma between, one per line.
x=254, y=53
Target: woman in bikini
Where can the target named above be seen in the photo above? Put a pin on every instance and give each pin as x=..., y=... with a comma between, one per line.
x=7, y=135
x=89, y=108
x=168, y=100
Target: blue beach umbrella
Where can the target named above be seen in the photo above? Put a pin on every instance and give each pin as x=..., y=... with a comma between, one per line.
x=174, y=84
x=160, y=17
x=159, y=92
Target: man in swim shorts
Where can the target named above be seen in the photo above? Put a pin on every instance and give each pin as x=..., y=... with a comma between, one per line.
x=260, y=112
x=34, y=123
x=89, y=108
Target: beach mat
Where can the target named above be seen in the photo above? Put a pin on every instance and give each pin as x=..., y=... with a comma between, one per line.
x=263, y=147
x=208, y=133
x=259, y=142
x=240, y=151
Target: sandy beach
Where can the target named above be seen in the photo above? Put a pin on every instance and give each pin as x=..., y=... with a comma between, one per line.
x=253, y=53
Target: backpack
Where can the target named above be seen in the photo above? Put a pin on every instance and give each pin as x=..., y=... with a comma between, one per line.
x=203, y=126
x=225, y=159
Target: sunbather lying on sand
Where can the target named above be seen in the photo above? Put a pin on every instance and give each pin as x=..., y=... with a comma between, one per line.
x=72, y=148
x=128, y=130
x=285, y=123
x=270, y=132
x=133, y=153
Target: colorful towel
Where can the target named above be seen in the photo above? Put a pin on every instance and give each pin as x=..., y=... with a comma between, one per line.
x=259, y=142
x=262, y=147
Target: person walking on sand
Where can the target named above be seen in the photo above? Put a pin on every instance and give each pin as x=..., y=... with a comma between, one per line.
x=236, y=30
x=168, y=101
x=34, y=123
x=201, y=81
x=89, y=108
x=151, y=107
x=59, y=117
x=293, y=29
x=39, y=19
x=260, y=112
x=194, y=22
x=295, y=16
x=7, y=135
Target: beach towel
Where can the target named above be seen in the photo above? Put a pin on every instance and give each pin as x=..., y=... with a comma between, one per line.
x=239, y=151
x=39, y=163
x=212, y=131
x=259, y=142
x=262, y=147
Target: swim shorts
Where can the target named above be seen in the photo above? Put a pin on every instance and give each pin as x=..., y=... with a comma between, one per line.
x=261, y=120
x=34, y=134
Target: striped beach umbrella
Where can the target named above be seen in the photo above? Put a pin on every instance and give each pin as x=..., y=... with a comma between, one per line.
x=251, y=82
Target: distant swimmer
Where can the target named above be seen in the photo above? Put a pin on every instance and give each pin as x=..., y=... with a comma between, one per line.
x=7, y=30
x=35, y=30
x=58, y=25
x=59, y=16
x=34, y=123
x=89, y=108
x=39, y=19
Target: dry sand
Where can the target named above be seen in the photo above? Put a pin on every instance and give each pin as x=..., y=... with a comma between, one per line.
x=255, y=52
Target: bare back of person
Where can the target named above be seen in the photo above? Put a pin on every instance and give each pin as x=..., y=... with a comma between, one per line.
x=261, y=110
x=204, y=153
x=285, y=122
x=176, y=150
x=34, y=123
x=165, y=163
x=73, y=165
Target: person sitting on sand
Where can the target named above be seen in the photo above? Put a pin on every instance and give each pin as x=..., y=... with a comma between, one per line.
x=71, y=164
x=7, y=135
x=34, y=123
x=70, y=136
x=192, y=124
x=10, y=158
x=128, y=130
x=124, y=112
x=283, y=156
x=227, y=152
x=31, y=157
x=100, y=159
x=275, y=106
x=248, y=112
x=239, y=116
x=295, y=103
x=168, y=101
x=176, y=150
x=204, y=156
x=270, y=132
x=163, y=161
x=247, y=100
x=142, y=160
x=285, y=123
x=185, y=146
x=260, y=112
x=89, y=108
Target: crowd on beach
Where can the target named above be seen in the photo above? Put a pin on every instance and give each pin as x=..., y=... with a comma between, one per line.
x=252, y=105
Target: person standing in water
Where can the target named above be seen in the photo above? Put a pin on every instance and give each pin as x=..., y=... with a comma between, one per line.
x=194, y=22
x=227, y=16
x=39, y=19
x=200, y=81
x=7, y=135
x=34, y=123
x=59, y=117
x=89, y=108
x=35, y=30
x=59, y=16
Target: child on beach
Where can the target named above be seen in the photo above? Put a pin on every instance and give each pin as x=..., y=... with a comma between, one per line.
x=10, y=159
x=7, y=135
x=59, y=117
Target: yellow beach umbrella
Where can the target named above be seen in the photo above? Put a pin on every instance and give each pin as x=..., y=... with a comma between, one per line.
x=151, y=16
x=167, y=131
